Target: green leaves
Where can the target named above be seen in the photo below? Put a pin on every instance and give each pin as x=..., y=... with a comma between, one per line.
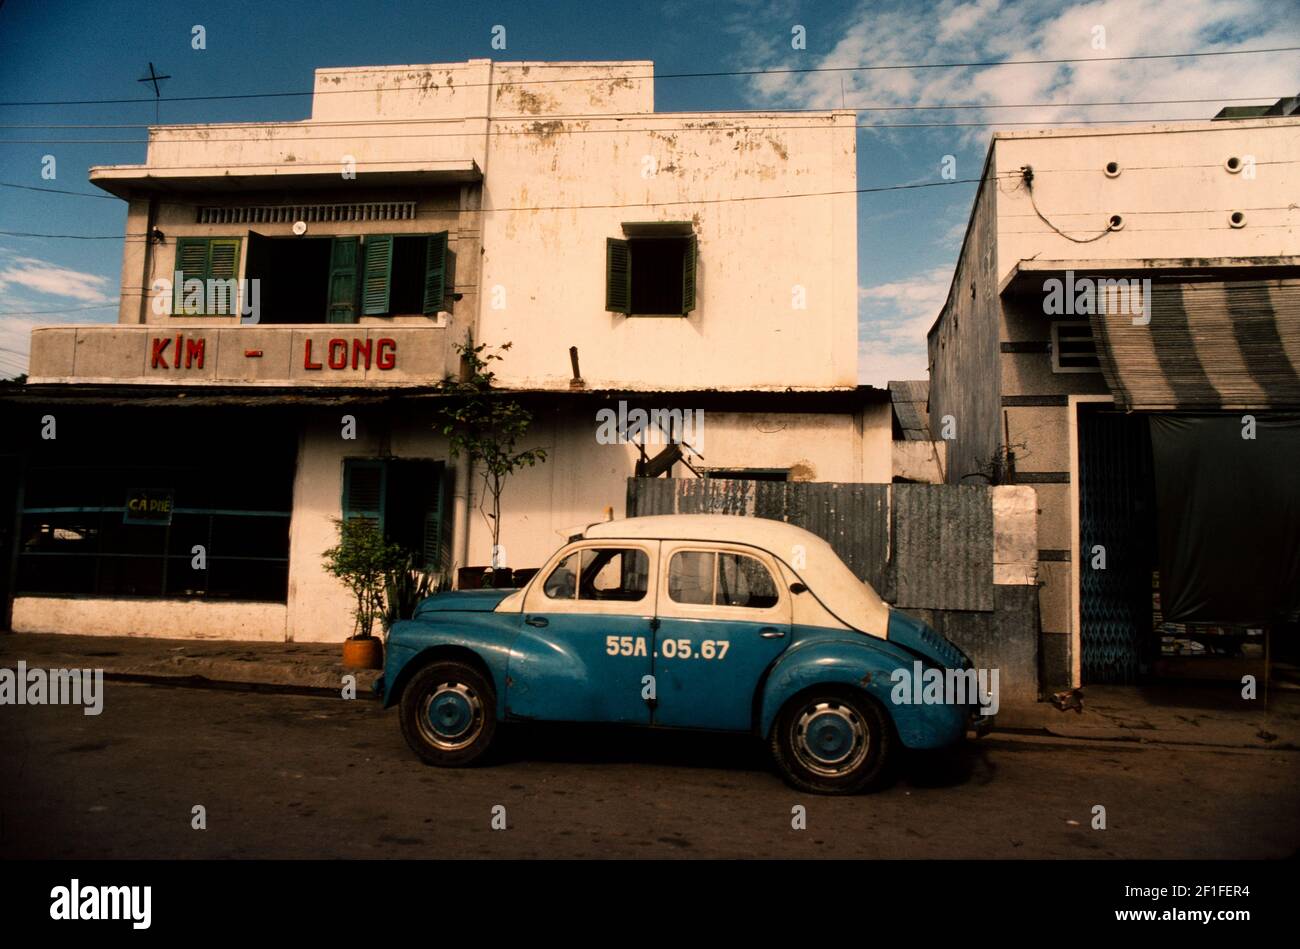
x=363, y=560
x=486, y=425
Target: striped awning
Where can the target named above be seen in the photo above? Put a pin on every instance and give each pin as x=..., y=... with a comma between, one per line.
x=1208, y=345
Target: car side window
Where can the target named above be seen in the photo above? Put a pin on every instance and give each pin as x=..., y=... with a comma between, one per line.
x=703, y=578
x=744, y=581
x=562, y=582
x=690, y=577
x=600, y=573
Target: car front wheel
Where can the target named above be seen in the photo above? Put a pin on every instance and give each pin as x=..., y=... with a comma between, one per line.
x=832, y=740
x=448, y=714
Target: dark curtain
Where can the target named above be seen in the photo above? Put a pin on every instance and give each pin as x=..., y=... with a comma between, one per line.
x=1229, y=517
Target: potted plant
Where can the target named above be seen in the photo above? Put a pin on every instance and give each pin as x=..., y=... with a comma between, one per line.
x=363, y=560
x=486, y=426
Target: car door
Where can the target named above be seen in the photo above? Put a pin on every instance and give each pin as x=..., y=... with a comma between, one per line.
x=583, y=653
x=723, y=618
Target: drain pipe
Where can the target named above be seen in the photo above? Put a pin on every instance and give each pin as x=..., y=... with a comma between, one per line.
x=460, y=517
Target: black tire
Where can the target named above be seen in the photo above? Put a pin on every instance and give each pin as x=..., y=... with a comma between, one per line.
x=850, y=753
x=448, y=714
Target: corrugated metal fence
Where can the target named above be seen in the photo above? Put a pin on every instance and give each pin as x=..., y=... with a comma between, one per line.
x=921, y=546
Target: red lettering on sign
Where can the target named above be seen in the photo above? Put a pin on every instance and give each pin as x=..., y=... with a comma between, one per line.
x=339, y=347
x=176, y=357
x=385, y=353
x=159, y=355
x=360, y=347
x=194, y=353
x=306, y=358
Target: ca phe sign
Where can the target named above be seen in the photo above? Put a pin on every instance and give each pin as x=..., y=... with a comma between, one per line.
x=153, y=506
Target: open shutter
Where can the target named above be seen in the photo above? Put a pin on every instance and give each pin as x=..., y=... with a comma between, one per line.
x=223, y=264
x=689, y=253
x=618, y=276
x=435, y=272
x=434, y=549
x=378, y=275
x=343, y=280
x=364, y=488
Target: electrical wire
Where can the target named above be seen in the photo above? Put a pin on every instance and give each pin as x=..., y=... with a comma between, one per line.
x=578, y=116
x=534, y=132
x=808, y=70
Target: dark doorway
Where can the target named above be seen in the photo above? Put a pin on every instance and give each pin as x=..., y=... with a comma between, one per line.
x=293, y=275
x=1117, y=546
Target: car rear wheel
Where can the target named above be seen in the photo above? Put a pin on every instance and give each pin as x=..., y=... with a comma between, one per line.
x=448, y=714
x=832, y=740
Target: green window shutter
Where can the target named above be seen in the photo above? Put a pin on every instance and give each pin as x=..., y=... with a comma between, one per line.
x=435, y=272
x=192, y=258
x=690, y=252
x=223, y=259
x=342, y=306
x=378, y=275
x=618, y=276
x=191, y=264
x=364, y=489
x=223, y=264
x=435, y=549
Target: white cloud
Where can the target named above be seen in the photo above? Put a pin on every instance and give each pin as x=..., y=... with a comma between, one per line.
x=41, y=276
x=895, y=317
x=981, y=30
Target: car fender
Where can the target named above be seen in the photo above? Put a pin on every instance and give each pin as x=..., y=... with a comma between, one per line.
x=867, y=664
x=487, y=637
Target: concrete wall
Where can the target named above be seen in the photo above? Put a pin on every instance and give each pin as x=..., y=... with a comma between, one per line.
x=920, y=461
x=963, y=350
x=1173, y=191
x=167, y=619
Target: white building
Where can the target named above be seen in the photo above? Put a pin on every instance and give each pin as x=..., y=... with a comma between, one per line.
x=695, y=261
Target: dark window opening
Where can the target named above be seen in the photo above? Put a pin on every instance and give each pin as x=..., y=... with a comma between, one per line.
x=293, y=275
x=407, y=293
x=748, y=474
x=651, y=276
x=657, y=275
x=229, y=486
x=337, y=279
x=406, y=499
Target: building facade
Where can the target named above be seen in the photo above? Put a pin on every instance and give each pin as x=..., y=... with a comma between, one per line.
x=1120, y=293
x=293, y=293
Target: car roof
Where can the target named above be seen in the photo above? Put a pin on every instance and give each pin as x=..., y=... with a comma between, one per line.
x=776, y=537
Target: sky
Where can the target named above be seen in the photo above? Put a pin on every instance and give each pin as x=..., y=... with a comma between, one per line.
x=908, y=241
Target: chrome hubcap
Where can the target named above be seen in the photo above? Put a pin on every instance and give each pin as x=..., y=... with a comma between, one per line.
x=451, y=716
x=830, y=739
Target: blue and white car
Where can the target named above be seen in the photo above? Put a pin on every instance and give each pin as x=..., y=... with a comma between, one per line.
x=716, y=622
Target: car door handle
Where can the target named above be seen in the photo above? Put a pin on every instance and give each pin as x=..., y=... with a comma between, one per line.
x=771, y=632
x=538, y=621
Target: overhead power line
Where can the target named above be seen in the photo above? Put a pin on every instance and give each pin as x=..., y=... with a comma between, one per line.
x=681, y=75
x=582, y=116
x=674, y=129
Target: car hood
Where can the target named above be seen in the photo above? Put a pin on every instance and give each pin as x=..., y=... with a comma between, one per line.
x=911, y=633
x=462, y=601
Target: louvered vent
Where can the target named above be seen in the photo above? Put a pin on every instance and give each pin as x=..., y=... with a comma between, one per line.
x=325, y=213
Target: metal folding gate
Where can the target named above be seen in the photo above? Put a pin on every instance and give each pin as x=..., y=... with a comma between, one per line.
x=1116, y=545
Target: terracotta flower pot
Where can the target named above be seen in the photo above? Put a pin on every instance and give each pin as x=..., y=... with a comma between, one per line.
x=363, y=653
